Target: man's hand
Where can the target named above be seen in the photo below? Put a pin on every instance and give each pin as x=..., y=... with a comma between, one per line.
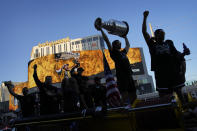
x=186, y=51
x=146, y=13
x=8, y=83
x=35, y=67
x=97, y=24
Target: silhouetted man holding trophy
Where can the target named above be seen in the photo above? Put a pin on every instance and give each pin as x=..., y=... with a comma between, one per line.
x=123, y=68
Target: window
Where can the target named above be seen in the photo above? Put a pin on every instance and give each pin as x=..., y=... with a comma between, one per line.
x=95, y=38
x=54, y=50
x=145, y=81
x=36, y=52
x=142, y=81
x=73, y=43
x=89, y=39
x=83, y=41
x=94, y=44
x=41, y=52
x=59, y=48
x=47, y=51
x=77, y=42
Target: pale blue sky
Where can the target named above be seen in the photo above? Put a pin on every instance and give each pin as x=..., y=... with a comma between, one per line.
x=25, y=23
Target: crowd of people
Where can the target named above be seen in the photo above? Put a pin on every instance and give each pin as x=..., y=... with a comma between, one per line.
x=76, y=93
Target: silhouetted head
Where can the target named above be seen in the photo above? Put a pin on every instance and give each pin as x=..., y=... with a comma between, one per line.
x=25, y=91
x=80, y=70
x=48, y=80
x=159, y=35
x=116, y=45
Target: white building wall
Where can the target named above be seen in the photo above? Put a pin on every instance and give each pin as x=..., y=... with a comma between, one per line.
x=91, y=43
x=4, y=93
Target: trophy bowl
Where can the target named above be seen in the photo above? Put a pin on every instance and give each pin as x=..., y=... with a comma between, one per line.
x=115, y=27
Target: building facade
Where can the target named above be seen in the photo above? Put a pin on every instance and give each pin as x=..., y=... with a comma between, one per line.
x=4, y=93
x=67, y=45
x=90, y=44
x=143, y=79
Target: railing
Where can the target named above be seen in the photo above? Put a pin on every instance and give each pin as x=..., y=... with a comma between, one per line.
x=119, y=118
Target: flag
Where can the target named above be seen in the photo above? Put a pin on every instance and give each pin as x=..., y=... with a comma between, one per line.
x=113, y=94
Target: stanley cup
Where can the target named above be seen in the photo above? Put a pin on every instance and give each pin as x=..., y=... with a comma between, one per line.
x=120, y=28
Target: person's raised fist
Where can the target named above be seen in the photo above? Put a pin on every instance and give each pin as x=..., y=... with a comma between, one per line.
x=146, y=13
x=35, y=67
x=7, y=83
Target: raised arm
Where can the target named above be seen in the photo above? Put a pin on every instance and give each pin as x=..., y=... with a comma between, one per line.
x=127, y=44
x=37, y=81
x=144, y=27
x=10, y=87
x=106, y=39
